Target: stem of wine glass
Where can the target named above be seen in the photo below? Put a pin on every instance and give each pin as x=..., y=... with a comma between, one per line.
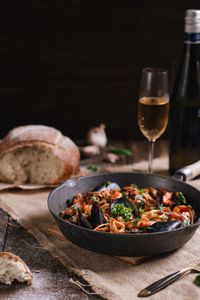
x=151, y=153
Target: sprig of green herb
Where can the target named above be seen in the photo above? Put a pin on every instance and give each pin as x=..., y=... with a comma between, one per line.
x=69, y=202
x=94, y=198
x=122, y=151
x=135, y=221
x=93, y=168
x=74, y=219
x=106, y=183
x=141, y=204
x=134, y=185
x=181, y=198
x=121, y=210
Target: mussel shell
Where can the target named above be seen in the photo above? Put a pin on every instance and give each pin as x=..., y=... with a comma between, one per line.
x=69, y=202
x=83, y=222
x=107, y=186
x=97, y=217
x=158, y=199
x=65, y=215
x=122, y=200
x=164, y=226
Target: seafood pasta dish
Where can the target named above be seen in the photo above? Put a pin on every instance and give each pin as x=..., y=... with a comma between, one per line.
x=129, y=209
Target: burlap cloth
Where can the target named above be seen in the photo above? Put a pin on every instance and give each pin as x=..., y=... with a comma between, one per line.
x=108, y=276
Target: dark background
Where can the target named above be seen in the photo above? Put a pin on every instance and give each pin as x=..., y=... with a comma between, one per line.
x=73, y=64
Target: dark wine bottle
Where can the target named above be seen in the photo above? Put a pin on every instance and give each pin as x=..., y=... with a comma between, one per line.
x=185, y=99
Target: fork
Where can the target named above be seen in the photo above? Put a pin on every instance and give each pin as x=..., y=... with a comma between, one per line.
x=165, y=281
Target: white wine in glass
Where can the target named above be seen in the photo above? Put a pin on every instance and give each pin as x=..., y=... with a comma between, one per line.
x=153, y=106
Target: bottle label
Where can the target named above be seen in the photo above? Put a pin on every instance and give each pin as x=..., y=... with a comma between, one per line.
x=192, y=38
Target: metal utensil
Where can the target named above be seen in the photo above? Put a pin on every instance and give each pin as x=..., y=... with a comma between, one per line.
x=165, y=281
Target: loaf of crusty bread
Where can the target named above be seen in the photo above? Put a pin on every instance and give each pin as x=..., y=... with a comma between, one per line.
x=37, y=154
x=12, y=268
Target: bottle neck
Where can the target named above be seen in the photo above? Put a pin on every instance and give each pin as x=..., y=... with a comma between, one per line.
x=192, y=29
x=192, y=37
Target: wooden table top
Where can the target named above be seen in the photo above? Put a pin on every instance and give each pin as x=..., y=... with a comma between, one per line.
x=52, y=279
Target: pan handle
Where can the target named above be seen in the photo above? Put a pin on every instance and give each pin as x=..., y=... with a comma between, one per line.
x=188, y=172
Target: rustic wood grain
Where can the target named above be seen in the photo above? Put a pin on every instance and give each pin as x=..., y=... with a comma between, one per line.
x=50, y=276
x=50, y=279
x=3, y=229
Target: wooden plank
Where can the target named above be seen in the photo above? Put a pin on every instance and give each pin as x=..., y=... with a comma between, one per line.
x=3, y=228
x=50, y=277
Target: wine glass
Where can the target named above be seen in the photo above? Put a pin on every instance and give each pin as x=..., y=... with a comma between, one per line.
x=153, y=106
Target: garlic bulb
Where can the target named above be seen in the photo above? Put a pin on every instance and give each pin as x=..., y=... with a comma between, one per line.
x=97, y=136
x=89, y=151
x=111, y=158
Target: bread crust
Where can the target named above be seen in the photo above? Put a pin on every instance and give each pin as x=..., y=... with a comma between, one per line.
x=32, y=135
x=15, y=258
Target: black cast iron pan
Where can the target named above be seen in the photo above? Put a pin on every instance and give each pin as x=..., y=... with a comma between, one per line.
x=137, y=244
